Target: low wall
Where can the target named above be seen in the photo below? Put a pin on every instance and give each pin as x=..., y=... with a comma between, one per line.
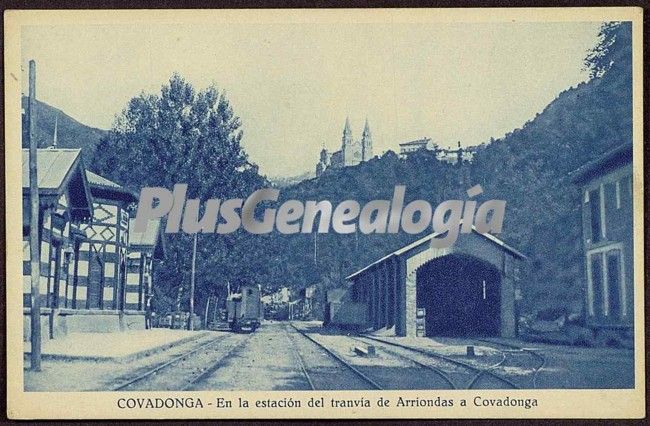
x=66, y=321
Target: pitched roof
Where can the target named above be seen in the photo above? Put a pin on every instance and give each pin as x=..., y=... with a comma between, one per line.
x=104, y=188
x=95, y=179
x=60, y=170
x=616, y=157
x=53, y=167
x=151, y=238
x=428, y=238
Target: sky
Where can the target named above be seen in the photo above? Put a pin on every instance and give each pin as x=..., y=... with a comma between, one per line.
x=293, y=85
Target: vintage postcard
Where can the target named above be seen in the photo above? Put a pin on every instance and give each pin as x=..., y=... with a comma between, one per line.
x=363, y=213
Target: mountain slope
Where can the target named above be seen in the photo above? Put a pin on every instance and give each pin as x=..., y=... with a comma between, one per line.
x=70, y=132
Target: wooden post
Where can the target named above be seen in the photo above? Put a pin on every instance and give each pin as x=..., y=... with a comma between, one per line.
x=34, y=234
x=190, y=320
x=205, y=316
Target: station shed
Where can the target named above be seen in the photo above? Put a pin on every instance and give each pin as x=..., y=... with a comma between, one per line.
x=468, y=289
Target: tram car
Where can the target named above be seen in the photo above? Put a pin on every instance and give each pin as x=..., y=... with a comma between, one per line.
x=244, y=308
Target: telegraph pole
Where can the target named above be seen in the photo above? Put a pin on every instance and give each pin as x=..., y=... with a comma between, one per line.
x=190, y=321
x=34, y=237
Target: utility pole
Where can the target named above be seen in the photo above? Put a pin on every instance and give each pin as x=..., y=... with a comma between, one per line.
x=34, y=234
x=190, y=321
x=205, y=316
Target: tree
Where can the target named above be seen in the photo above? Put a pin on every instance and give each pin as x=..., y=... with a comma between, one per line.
x=182, y=136
x=613, y=51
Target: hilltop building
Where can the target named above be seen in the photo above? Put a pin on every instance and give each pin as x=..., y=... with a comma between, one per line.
x=451, y=156
x=407, y=148
x=352, y=151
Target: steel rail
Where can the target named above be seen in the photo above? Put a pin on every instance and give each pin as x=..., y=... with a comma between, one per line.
x=479, y=372
x=338, y=358
x=215, y=365
x=439, y=372
x=166, y=364
x=300, y=359
x=540, y=358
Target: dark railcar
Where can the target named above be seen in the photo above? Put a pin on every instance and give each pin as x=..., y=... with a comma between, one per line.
x=245, y=308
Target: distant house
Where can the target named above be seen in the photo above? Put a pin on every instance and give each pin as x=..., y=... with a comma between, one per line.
x=65, y=203
x=451, y=156
x=408, y=148
x=607, y=235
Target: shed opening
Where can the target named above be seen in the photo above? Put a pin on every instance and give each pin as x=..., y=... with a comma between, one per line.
x=461, y=295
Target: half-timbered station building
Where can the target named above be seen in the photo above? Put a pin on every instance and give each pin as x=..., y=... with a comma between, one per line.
x=144, y=249
x=94, y=276
x=65, y=204
x=607, y=236
x=466, y=289
x=100, y=272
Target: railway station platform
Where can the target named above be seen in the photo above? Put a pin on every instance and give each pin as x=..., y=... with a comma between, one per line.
x=118, y=346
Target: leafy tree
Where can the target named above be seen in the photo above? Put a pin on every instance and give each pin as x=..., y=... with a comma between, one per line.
x=183, y=136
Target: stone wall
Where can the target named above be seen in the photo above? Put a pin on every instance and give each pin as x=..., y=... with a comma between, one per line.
x=65, y=321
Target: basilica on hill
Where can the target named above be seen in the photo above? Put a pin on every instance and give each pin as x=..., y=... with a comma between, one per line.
x=352, y=151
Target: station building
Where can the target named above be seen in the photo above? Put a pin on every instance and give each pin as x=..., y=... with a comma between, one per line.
x=468, y=289
x=85, y=223
x=145, y=248
x=65, y=204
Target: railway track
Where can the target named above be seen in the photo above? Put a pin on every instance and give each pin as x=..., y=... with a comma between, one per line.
x=478, y=375
x=371, y=384
x=514, y=351
x=185, y=371
x=384, y=378
x=300, y=359
x=420, y=364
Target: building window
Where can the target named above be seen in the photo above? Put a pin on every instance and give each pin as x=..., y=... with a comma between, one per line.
x=596, y=224
x=625, y=192
x=609, y=190
x=596, y=283
x=606, y=285
x=614, y=283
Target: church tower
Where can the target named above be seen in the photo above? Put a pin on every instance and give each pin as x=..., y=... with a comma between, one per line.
x=366, y=143
x=347, y=148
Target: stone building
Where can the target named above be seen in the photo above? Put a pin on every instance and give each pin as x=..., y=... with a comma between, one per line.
x=467, y=289
x=407, y=148
x=352, y=151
